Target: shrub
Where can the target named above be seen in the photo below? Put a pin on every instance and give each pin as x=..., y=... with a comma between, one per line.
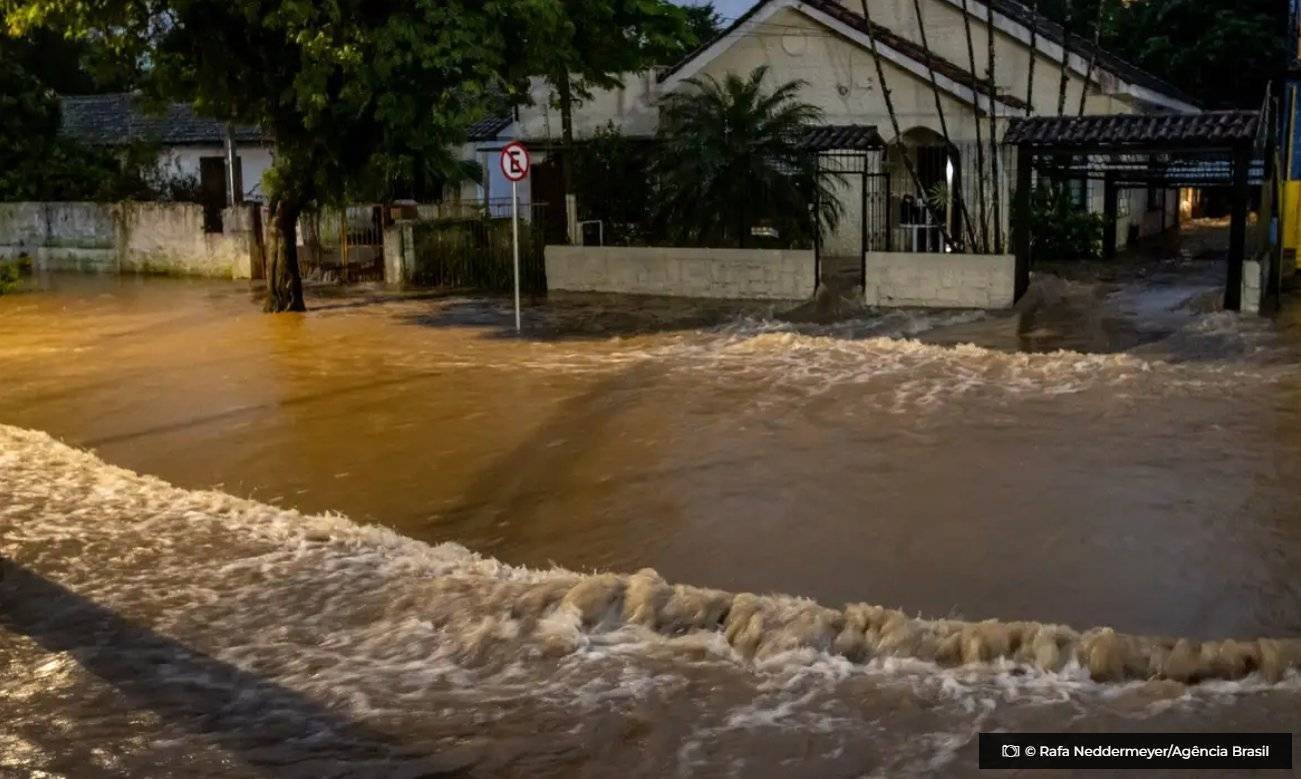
x=11, y=273
x=1060, y=228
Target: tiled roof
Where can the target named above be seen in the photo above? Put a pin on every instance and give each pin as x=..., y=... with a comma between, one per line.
x=1213, y=128
x=488, y=128
x=831, y=137
x=117, y=119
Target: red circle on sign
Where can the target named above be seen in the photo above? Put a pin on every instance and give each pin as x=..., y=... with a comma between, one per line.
x=515, y=161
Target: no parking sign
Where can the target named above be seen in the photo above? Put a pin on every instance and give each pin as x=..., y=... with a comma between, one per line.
x=515, y=165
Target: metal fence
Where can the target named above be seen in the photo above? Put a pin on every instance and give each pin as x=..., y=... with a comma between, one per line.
x=477, y=252
x=347, y=243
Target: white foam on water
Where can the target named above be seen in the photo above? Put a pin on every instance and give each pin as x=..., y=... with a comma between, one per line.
x=374, y=623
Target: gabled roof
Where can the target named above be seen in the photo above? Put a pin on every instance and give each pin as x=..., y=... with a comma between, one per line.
x=944, y=69
x=119, y=119
x=912, y=50
x=1137, y=131
x=1046, y=30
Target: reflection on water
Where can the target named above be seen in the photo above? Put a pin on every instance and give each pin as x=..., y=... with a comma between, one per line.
x=1110, y=455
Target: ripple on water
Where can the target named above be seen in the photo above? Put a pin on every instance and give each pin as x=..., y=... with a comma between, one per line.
x=420, y=640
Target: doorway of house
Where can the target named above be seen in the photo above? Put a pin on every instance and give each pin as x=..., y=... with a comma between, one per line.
x=212, y=190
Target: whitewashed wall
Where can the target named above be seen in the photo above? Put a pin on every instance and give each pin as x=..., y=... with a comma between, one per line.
x=255, y=161
x=940, y=280
x=124, y=238
x=741, y=274
x=631, y=107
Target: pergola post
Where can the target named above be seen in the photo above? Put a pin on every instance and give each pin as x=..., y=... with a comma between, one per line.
x=1022, y=209
x=1110, y=212
x=1238, y=226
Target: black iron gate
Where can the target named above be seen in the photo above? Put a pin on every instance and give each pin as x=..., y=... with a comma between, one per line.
x=863, y=189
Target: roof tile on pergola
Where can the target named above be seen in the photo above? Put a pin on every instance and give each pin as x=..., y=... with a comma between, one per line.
x=1213, y=129
x=841, y=137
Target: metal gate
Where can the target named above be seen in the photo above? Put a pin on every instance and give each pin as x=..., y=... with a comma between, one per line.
x=863, y=189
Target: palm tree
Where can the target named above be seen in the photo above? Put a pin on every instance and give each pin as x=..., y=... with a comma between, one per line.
x=729, y=160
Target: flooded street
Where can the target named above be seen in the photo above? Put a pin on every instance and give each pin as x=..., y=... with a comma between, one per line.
x=1116, y=454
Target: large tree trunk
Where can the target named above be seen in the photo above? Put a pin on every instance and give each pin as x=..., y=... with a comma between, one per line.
x=284, y=279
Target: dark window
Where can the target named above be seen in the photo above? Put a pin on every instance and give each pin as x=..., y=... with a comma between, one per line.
x=1079, y=192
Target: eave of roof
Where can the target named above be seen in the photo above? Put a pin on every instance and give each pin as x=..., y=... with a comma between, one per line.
x=943, y=67
x=1011, y=9
x=119, y=119
x=489, y=128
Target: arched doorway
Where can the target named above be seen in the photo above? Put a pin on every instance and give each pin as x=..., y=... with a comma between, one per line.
x=923, y=210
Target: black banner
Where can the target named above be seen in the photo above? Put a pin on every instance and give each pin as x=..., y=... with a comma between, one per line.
x=1148, y=751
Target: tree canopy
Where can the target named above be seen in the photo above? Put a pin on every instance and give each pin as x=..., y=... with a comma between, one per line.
x=1222, y=52
x=350, y=90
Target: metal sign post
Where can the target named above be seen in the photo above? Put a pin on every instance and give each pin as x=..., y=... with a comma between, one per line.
x=515, y=164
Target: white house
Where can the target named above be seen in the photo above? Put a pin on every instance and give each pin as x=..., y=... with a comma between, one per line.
x=826, y=44
x=190, y=147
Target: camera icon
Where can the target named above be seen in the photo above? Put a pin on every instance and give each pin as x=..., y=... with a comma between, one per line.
x=1011, y=750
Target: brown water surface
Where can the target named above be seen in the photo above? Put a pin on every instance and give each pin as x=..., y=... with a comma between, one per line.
x=1114, y=454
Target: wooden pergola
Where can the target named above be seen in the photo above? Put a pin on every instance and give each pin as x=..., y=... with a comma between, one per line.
x=1214, y=149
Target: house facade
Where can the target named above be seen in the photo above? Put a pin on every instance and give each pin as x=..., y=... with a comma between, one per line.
x=826, y=44
x=191, y=149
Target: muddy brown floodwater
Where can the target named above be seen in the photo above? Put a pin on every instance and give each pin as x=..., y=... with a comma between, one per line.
x=1115, y=454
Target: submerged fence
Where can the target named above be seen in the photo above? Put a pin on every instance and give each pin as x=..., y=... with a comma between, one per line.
x=477, y=252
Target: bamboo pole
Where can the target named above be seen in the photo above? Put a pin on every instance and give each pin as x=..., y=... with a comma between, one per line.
x=1093, y=55
x=1034, y=43
x=981, y=196
x=993, y=130
x=894, y=120
x=1066, y=59
x=944, y=124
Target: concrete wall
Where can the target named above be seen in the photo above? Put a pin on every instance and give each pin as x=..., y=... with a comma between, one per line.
x=1253, y=286
x=940, y=280
x=755, y=274
x=399, y=252
x=125, y=238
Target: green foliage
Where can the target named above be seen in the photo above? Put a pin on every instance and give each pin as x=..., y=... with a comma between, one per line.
x=612, y=180
x=703, y=25
x=35, y=162
x=591, y=42
x=728, y=161
x=1061, y=229
x=350, y=90
x=477, y=253
x=12, y=272
x=1222, y=52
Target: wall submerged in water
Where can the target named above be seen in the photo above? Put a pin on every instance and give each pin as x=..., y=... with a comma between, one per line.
x=727, y=274
x=125, y=238
x=916, y=280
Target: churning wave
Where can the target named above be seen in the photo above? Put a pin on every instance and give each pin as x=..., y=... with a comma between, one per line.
x=112, y=535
